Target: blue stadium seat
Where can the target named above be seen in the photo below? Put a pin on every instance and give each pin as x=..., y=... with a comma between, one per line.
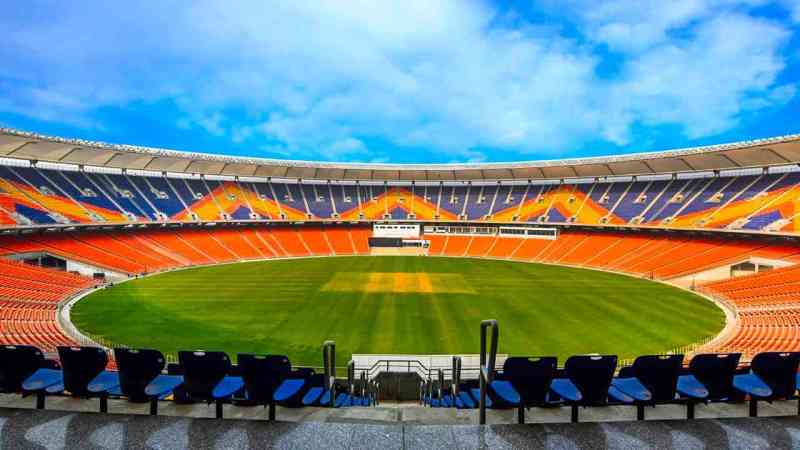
x=587, y=382
x=710, y=379
x=523, y=383
x=137, y=369
x=772, y=376
x=17, y=363
x=269, y=379
x=316, y=394
x=292, y=390
x=475, y=393
x=79, y=366
x=205, y=377
x=656, y=380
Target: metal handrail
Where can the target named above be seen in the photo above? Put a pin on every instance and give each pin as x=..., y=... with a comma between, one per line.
x=351, y=377
x=456, y=371
x=487, y=371
x=386, y=364
x=329, y=361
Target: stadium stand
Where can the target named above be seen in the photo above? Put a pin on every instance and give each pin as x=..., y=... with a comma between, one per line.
x=139, y=376
x=33, y=196
x=768, y=299
x=591, y=380
x=521, y=382
x=29, y=296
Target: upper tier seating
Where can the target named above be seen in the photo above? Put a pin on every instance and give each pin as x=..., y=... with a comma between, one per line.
x=33, y=196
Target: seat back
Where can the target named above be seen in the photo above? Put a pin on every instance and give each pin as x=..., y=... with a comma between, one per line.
x=262, y=374
x=659, y=374
x=80, y=366
x=715, y=371
x=778, y=370
x=18, y=362
x=592, y=375
x=316, y=380
x=202, y=371
x=137, y=368
x=531, y=377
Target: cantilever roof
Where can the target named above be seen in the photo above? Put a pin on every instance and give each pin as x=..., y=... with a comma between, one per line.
x=775, y=151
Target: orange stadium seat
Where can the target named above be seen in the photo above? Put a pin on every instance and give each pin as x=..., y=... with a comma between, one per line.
x=437, y=242
x=175, y=245
x=360, y=237
x=340, y=241
x=233, y=241
x=206, y=243
x=67, y=245
x=530, y=249
x=29, y=295
x=504, y=247
x=289, y=240
x=255, y=240
x=480, y=245
x=456, y=245
x=589, y=248
x=316, y=241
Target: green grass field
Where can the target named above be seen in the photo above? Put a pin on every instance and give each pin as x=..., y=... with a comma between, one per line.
x=410, y=305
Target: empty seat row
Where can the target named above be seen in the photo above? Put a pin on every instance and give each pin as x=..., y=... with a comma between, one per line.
x=143, y=375
x=144, y=251
x=46, y=196
x=592, y=380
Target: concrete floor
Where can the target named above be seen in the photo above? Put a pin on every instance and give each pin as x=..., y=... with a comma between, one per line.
x=31, y=429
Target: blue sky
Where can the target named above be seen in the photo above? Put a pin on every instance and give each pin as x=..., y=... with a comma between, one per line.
x=406, y=81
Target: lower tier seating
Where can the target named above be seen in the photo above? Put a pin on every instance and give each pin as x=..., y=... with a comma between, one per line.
x=767, y=303
x=29, y=296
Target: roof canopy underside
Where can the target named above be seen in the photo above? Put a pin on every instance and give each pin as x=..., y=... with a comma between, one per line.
x=776, y=151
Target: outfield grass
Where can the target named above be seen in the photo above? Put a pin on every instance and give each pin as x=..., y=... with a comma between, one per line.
x=411, y=305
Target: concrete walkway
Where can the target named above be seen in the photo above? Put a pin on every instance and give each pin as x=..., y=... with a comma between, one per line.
x=31, y=429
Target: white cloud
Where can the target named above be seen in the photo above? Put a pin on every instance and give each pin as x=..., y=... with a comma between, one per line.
x=634, y=26
x=705, y=82
x=318, y=80
x=347, y=146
